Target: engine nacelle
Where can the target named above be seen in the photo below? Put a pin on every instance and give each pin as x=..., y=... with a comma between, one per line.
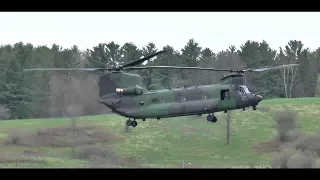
x=135, y=90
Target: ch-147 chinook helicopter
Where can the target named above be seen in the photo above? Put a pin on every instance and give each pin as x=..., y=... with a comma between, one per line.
x=126, y=95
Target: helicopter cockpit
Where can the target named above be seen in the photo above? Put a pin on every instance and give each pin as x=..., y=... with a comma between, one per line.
x=243, y=90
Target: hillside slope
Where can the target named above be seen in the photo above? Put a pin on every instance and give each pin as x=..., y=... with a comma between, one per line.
x=191, y=141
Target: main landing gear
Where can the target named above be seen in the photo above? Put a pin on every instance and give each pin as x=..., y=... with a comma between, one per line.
x=211, y=118
x=254, y=108
x=133, y=123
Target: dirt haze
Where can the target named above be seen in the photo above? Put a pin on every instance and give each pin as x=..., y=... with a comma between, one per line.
x=293, y=149
x=75, y=94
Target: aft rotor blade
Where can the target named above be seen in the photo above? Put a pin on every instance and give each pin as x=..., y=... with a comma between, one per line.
x=178, y=67
x=142, y=59
x=271, y=68
x=66, y=69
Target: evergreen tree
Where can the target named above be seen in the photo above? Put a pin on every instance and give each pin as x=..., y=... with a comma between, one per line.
x=190, y=57
x=257, y=55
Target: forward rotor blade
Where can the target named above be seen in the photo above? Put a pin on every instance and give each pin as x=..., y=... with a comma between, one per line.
x=142, y=59
x=66, y=69
x=179, y=67
x=271, y=68
x=211, y=69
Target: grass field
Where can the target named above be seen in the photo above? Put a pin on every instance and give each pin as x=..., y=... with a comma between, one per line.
x=191, y=141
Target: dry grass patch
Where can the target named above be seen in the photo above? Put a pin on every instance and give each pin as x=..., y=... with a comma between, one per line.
x=104, y=157
x=61, y=137
x=9, y=157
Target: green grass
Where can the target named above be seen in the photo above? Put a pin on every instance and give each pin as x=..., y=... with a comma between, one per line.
x=169, y=142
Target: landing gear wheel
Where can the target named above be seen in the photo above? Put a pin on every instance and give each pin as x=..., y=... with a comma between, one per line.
x=214, y=119
x=211, y=118
x=129, y=122
x=134, y=123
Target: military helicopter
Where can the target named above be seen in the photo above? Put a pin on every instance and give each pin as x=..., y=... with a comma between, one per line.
x=125, y=94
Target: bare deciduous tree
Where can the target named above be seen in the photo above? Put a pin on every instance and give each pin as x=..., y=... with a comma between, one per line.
x=289, y=56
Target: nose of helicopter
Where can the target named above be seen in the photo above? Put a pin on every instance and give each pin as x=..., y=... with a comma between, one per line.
x=258, y=98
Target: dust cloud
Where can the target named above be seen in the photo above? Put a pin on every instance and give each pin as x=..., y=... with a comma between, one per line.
x=293, y=148
x=75, y=94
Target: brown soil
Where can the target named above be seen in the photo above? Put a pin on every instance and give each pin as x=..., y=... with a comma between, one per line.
x=265, y=147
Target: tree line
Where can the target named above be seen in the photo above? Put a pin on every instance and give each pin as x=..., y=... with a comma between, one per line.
x=55, y=94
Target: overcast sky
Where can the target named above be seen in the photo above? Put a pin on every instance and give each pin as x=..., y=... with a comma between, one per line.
x=216, y=30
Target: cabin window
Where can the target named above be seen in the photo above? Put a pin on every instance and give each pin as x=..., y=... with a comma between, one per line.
x=225, y=94
x=154, y=100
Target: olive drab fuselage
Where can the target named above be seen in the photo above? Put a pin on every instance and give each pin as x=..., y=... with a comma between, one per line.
x=126, y=95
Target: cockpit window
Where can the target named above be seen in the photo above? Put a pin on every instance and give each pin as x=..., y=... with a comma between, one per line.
x=246, y=90
x=240, y=91
x=243, y=90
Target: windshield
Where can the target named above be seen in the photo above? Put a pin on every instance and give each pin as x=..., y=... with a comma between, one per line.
x=244, y=90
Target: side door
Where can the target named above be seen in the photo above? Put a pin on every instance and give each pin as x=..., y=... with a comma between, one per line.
x=226, y=101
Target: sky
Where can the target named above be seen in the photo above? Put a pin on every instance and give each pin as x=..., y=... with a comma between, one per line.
x=215, y=30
